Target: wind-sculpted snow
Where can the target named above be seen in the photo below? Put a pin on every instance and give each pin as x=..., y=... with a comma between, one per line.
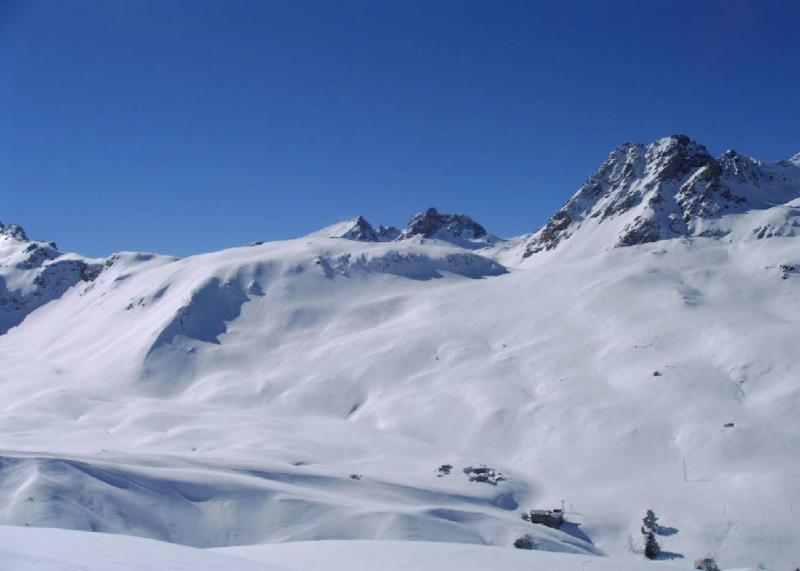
x=412, y=265
x=208, y=503
x=203, y=318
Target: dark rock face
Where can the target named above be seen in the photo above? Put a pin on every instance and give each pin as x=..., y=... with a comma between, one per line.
x=549, y=236
x=431, y=222
x=38, y=253
x=13, y=231
x=678, y=158
x=664, y=190
x=789, y=269
x=387, y=233
x=361, y=231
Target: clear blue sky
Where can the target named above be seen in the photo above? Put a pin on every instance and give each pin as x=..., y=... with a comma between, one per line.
x=185, y=126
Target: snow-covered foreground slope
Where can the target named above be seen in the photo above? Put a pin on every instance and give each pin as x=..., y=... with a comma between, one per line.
x=237, y=412
x=31, y=549
x=402, y=556
x=310, y=389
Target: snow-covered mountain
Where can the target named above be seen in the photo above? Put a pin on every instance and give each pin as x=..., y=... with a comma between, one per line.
x=361, y=230
x=34, y=273
x=668, y=189
x=318, y=388
x=456, y=229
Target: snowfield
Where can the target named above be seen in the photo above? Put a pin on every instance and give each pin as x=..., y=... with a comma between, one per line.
x=32, y=549
x=290, y=392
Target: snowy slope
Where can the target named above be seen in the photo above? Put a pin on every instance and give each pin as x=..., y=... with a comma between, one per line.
x=309, y=389
x=30, y=549
x=400, y=556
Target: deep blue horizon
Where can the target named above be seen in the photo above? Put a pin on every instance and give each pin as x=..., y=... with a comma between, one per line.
x=182, y=127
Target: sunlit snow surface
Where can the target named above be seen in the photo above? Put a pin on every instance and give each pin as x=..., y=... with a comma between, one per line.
x=310, y=389
x=31, y=549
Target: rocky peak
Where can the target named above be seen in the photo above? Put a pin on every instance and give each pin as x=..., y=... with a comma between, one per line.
x=741, y=167
x=14, y=232
x=666, y=189
x=33, y=273
x=674, y=157
x=387, y=233
x=433, y=224
x=455, y=228
x=361, y=230
x=26, y=253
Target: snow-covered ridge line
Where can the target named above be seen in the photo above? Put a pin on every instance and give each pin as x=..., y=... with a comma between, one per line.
x=431, y=225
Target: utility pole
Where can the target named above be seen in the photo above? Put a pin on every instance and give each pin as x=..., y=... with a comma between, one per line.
x=685, y=475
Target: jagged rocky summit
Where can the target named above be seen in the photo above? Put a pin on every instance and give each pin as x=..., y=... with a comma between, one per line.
x=670, y=188
x=33, y=273
x=431, y=224
x=363, y=231
x=13, y=232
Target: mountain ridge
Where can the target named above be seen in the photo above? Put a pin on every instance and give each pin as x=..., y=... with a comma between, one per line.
x=668, y=189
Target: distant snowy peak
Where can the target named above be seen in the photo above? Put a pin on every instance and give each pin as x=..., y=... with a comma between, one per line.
x=447, y=227
x=361, y=230
x=33, y=272
x=13, y=232
x=457, y=229
x=18, y=250
x=795, y=159
x=667, y=189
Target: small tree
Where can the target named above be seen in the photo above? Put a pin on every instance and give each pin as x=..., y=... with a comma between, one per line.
x=651, y=547
x=650, y=522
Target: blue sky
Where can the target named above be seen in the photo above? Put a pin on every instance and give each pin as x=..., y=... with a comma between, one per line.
x=185, y=126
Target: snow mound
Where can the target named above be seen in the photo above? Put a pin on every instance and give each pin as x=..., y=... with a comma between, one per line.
x=412, y=265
